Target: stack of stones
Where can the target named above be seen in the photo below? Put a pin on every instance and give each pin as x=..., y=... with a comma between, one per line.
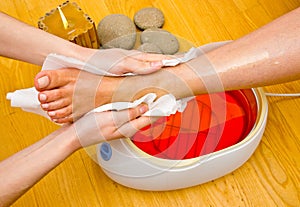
x=119, y=31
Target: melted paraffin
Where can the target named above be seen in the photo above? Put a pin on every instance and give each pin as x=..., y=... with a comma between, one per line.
x=200, y=129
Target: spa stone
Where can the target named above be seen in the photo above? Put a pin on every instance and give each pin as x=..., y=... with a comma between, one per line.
x=148, y=18
x=167, y=42
x=117, y=31
x=149, y=48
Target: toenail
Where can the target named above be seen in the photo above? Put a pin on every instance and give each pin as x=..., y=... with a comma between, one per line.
x=43, y=82
x=43, y=97
x=45, y=106
x=51, y=113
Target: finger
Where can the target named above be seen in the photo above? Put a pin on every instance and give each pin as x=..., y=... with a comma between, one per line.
x=143, y=56
x=130, y=128
x=121, y=117
x=144, y=63
x=130, y=64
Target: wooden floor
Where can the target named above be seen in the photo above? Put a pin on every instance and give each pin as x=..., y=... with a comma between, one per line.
x=268, y=178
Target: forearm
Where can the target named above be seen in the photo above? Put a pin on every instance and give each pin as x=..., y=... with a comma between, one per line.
x=270, y=55
x=24, y=42
x=21, y=171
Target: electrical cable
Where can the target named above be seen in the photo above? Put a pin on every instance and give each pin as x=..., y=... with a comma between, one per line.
x=283, y=94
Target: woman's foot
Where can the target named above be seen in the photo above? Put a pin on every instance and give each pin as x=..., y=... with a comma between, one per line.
x=66, y=94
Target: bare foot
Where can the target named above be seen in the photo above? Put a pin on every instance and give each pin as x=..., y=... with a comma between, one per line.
x=66, y=94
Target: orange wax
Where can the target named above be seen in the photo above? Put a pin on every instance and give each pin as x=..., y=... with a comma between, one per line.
x=201, y=129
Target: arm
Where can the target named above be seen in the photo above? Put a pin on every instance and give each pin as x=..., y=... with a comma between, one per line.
x=22, y=170
x=25, y=168
x=32, y=45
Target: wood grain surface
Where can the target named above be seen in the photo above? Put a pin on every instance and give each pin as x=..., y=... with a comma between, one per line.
x=269, y=178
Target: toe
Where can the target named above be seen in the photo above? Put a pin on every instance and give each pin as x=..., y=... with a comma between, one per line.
x=68, y=119
x=50, y=79
x=53, y=95
x=60, y=113
x=55, y=105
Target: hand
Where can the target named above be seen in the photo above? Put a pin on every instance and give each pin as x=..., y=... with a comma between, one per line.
x=98, y=127
x=120, y=61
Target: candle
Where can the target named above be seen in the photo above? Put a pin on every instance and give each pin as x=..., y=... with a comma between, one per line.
x=68, y=21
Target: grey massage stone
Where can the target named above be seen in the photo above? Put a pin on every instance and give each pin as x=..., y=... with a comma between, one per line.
x=149, y=48
x=167, y=42
x=117, y=31
x=148, y=18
